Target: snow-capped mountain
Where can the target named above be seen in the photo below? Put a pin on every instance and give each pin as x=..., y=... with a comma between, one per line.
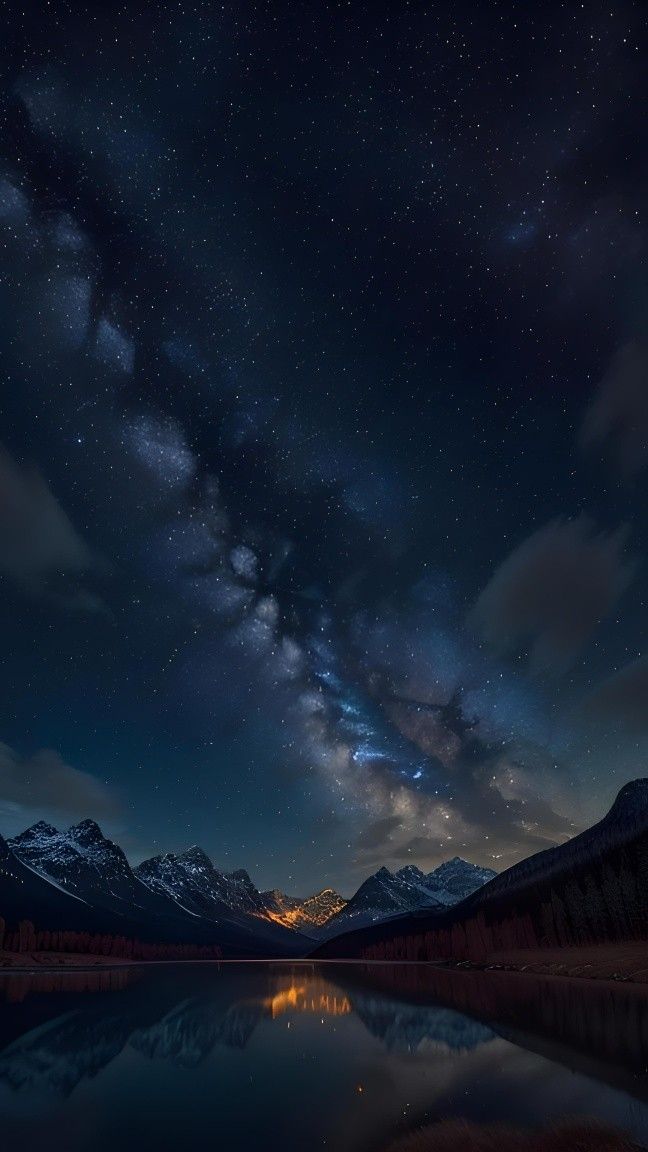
x=306, y=914
x=456, y=879
x=29, y=893
x=412, y=875
x=191, y=880
x=451, y=882
x=387, y=894
x=383, y=895
x=88, y=865
x=79, y=880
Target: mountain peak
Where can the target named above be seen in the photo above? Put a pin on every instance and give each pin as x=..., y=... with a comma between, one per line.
x=38, y=831
x=411, y=872
x=86, y=829
x=195, y=855
x=43, y=827
x=383, y=873
x=242, y=877
x=631, y=800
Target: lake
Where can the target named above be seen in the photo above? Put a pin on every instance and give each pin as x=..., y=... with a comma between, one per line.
x=294, y=1057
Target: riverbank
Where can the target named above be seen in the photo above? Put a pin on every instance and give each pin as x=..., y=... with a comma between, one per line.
x=612, y=962
x=626, y=962
x=53, y=961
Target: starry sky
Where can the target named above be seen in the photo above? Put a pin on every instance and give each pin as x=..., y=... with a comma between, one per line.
x=323, y=427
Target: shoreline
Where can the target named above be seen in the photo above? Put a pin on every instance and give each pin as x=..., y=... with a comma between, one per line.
x=621, y=963
x=617, y=963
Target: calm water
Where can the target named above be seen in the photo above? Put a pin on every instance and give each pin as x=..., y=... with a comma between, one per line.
x=297, y=1057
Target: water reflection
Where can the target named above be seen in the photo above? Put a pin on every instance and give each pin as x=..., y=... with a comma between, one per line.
x=60, y=1052
x=316, y=996
x=597, y=1027
x=361, y=1054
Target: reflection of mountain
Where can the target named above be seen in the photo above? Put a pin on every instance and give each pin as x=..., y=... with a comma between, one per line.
x=188, y=1033
x=182, y=1018
x=60, y=1054
x=163, y=1025
x=408, y=1027
x=589, y=1026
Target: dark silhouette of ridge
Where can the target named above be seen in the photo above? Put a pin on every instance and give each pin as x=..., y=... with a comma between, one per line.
x=591, y=890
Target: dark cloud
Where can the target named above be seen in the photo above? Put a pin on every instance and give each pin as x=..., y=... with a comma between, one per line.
x=549, y=595
x=422, y=849
x=622, y=699
x=379, y=833
x=617, y=418
x=38, y=543
x=44, y=785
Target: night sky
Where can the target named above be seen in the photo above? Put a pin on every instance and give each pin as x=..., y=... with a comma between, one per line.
x=324, y=427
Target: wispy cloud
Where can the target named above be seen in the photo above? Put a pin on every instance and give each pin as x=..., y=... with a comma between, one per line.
x=616, y=421
x=44, y=786
x=550, y=593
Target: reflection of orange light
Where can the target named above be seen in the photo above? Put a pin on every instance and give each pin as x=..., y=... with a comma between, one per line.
x=303, y=999
x=284, y=1000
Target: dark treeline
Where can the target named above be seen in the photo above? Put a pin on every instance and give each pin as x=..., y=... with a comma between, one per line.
x=25, y=938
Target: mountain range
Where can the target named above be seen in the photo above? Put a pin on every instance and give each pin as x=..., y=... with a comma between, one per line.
x=78, y=879
x=592, y=888
x=387, y=894
x=79, y=882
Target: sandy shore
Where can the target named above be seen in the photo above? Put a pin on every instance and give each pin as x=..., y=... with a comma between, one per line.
x=28, y=961
x=627, y=962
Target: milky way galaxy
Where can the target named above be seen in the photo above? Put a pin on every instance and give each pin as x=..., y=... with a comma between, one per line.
x=323, y=429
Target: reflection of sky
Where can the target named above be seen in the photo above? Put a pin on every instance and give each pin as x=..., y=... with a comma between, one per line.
x=241, y=1053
